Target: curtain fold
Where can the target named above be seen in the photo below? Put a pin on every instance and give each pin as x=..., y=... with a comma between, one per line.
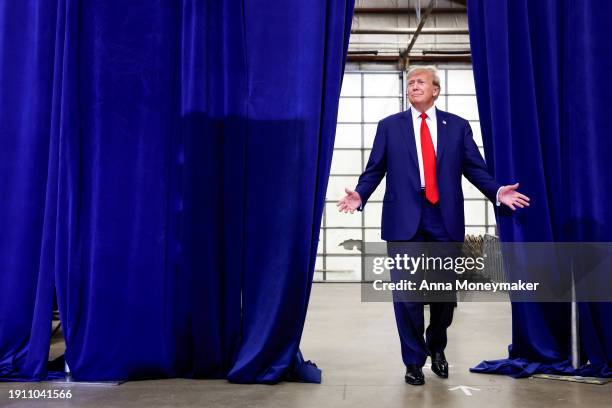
x=539, y=68
x=166, y=166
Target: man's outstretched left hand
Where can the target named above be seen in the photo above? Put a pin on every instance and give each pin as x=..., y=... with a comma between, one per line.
x=510, y=197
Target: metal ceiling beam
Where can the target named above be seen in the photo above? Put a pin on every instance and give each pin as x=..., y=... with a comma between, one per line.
x=404, y=53
x=413, y=58
x=362, y=52
x=446, y=52
x=399, y=31
x=408, y=10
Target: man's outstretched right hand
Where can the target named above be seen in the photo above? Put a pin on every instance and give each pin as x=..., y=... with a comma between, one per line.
x=350, y=202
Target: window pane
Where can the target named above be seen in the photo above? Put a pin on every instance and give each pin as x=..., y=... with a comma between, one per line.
x=474, y=212
x=492, y=222
x=366, y=157
x=318, y=272
x=376, y=109
x=474, y=230
x=442, y=75
x=373, y=235
x=348, y=136
x=461, y=82
x=491, y=213
x=335, y=218
x=372, y=214
x=369, y=132
x=464, y=106
x=382, y=85
x=351, y=85
x=349, y=110
x=343, y=241
x=346, y=162
x=344, y=268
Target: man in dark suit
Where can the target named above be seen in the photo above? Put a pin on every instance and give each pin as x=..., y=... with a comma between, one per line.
x=424, y=152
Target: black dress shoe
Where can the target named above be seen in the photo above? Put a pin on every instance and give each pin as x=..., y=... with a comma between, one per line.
x=414, y=375
x=439, y=365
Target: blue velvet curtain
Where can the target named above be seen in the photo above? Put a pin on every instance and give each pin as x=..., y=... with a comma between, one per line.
x=163, y=166
x=541, y=70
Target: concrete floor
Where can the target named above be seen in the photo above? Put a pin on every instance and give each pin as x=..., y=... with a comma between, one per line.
x=357, y=346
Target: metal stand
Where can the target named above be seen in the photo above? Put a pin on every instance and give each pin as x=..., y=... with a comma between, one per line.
x=575, y=322
x=575, y=327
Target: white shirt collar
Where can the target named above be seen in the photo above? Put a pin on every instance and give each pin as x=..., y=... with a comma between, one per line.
x=431, y=112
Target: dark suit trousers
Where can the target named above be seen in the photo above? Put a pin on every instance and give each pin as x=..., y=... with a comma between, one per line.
x=409, y=307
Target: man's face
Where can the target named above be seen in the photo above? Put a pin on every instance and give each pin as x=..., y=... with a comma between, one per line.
x=421, y=90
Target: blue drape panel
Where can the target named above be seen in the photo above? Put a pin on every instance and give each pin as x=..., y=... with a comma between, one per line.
x=166, y=164
x=285, y=187
x=540, y=69
x=27, y=171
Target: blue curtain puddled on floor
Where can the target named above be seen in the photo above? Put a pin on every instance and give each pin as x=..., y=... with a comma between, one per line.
x=541, y=71
x=163, y=166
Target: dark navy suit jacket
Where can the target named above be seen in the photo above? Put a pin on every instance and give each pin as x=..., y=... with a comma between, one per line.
x=394, y=154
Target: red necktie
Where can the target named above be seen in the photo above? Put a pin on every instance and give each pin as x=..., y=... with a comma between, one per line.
x=429, y=162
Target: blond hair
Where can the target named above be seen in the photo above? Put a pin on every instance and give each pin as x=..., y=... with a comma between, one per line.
x=426, y=68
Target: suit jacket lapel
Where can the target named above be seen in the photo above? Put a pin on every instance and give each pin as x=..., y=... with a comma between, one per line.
x=408, y=131
x=442, y=136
